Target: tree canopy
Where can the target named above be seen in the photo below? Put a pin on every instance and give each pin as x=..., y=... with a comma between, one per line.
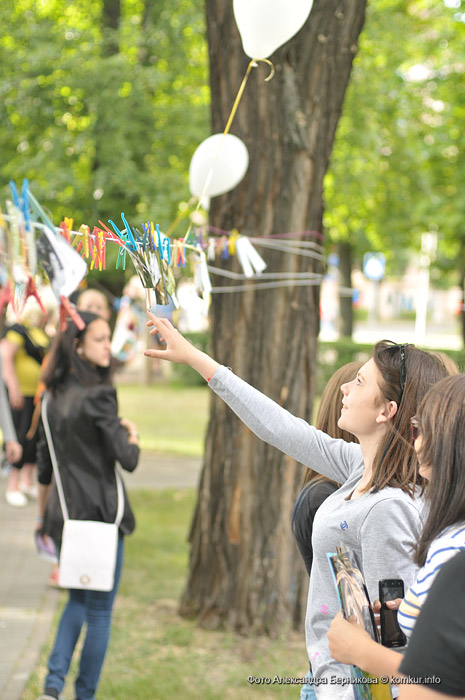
x=395, y=169
x=102, y=105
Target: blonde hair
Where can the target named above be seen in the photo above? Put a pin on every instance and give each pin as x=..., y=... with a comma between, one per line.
x=450, y=364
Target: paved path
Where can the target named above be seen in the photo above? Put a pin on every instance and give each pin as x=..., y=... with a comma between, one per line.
x=27, y=603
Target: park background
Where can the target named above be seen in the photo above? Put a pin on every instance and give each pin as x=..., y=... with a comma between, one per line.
x=102, y=108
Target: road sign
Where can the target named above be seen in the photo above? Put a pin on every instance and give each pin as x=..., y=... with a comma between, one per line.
x=374, y=266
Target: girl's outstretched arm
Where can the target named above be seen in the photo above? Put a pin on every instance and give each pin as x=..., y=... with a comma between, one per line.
x=178, y=349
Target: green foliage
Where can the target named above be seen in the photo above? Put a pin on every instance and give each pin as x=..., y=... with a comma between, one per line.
x=98, y=132
x=395, y=170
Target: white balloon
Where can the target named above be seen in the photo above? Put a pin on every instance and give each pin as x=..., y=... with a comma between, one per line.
x=265, y=25
x=212, y=173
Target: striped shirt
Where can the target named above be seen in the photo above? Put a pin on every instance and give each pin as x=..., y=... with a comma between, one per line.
x=443, y=548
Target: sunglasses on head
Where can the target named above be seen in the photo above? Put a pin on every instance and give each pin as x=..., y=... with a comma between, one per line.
x=403, y=369
x=415, y=430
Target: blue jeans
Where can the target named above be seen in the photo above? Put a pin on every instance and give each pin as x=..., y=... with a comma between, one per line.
x=307, y=692
x=95, y=608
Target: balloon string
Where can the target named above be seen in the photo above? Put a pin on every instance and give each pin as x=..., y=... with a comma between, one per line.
x=179, y=218
x=252, y=64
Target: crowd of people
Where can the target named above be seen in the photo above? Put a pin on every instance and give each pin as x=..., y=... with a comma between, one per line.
x=385, y=481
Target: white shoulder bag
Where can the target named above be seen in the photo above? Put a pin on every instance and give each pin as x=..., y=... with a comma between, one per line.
x=88, y=547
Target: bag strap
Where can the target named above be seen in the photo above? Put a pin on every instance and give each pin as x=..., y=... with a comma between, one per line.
x=56, y=471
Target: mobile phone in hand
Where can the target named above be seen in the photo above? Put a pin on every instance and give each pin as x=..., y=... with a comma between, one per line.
x=391, y=634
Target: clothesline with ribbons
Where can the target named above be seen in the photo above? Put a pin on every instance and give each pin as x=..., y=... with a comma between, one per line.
x=28, y=238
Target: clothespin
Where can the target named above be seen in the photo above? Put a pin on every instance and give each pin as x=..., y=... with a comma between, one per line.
x=31, y=291
x=138, y=237
x=119, y=233
x=14, y=194
x=122, y=253
x=152, y=231
x=225, y=253
x=98, y=241
x=67, y=309
x=64, y=230
x=110, y=233
x=66, y=226
x=92, y=251
x=147, y=237
x=84, y=229
x=24, y=197
x=167, y=249
x=233, y=236
x=121, y=258
x=131, y=240
x=180, y=257
x=160, y=249
x=103, y=248
x=94, y=248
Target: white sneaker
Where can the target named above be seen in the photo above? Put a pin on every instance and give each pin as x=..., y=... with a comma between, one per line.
x=30, y=491
x=16, y=499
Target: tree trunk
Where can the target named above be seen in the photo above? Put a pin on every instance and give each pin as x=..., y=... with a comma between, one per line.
x=244, y=567
x=345, y=281
x=111, y=13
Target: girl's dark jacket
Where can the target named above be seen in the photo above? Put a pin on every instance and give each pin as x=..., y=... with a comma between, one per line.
x=88, y=439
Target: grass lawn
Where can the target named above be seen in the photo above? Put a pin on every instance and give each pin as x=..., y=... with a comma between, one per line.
x=169, y=418
x=156, y=655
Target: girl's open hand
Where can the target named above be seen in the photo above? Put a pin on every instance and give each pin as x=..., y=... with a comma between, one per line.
x=178, y=349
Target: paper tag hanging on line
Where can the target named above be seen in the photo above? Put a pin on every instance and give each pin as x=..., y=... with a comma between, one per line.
x=211, y=250
x=251, y=262
x=202, y=278
x=64, y=266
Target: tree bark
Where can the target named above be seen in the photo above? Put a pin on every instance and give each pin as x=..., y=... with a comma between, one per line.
x=345, y=280
x=244, y=567
x=111, y=14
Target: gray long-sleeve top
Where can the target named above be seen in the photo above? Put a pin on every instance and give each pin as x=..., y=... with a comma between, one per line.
x=381, y=528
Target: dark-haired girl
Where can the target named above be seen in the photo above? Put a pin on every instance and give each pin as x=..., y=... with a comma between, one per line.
x=376, y=512
x=439, y=439
x=88, y=438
